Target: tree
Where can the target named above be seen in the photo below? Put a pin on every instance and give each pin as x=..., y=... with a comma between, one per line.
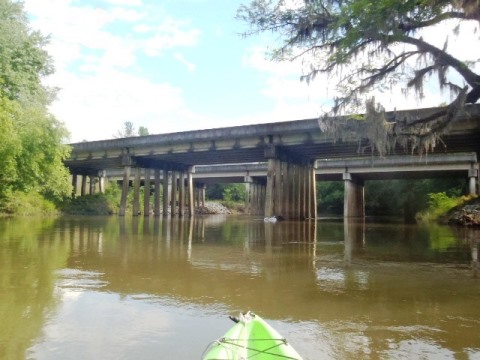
x=127, y=131
x=23, y=59
x=143, y=131
x=32, y=141
x=130, y=131
x=372, y=44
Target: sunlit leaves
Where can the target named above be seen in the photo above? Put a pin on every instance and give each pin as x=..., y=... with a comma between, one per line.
x=31, y=140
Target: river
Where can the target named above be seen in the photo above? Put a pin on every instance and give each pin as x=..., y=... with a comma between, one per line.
x=140, y=288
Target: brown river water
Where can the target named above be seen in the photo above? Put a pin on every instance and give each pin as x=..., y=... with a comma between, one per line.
x=139, y=288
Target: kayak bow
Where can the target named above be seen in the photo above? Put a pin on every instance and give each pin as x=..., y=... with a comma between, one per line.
x=250, y=338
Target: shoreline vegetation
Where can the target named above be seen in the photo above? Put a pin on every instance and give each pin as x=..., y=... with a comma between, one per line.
x=444, y=209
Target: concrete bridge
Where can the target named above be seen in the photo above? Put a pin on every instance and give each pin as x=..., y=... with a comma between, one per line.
x=294, y=152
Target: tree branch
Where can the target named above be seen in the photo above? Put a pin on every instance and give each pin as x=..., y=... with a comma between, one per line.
x=470, y=77
x=412, y=25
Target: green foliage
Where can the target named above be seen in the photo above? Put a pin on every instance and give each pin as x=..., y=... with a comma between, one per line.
x=439, y=204
x=399, y=198
x=27, y=203
x=215, y=191
x=227, y=192
x=232, y=196
x=32, y=146
x=365, y=46
x=143, y=131
x=23, y=60
x=98, y=204
x=234, y=192
x=129, y=130
x=330, y=197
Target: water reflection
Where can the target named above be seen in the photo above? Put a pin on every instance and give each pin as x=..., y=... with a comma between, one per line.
x=335, y=289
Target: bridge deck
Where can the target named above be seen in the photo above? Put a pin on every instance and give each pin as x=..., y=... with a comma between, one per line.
x=297, y=141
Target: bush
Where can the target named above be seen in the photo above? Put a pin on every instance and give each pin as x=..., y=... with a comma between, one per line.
x=31, y=203
x=439, y=204
x=98, y=204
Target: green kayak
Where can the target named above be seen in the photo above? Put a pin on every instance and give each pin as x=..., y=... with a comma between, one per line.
x=250, y=338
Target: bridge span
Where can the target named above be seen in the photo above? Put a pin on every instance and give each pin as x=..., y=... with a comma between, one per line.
x=292, y=155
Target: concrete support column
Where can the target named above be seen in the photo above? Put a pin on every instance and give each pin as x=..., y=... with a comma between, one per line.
x=248, y=191
x=165, y=193
x=181, y=194
x=313, y=193
x=199, y=194
x=196, y=200
x=173, y=199
x=277, y=191
x=146, y=193
x=125, y=185
x=269, y=189
x=74, y=185
x=83, y=188
x=91, y=184
x=286, y=205
x=101, y=181
x=354, y=197
x=191, y=207
x=473, y=178
x=255, y=199
x=157, y=193
x=203, y=193
x=296, y=193
x=291, y=191
x=136, y=191
x=303, y=192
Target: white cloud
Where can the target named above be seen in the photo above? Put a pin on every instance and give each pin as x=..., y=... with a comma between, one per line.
x=96, y=106
x=190, y=66
x=125, y=2
x=94, y=66
x=169, y=34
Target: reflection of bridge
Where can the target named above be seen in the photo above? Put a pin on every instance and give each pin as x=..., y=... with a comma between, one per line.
x=291, y=149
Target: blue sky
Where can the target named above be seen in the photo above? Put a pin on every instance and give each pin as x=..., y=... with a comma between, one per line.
x=170, y=65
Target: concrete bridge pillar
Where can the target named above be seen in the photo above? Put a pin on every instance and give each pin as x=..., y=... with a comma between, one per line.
x=354, y=197
x=91, y=184
x=290, y=190
x=248, y=191
x=83, y=187
x=173, y=199
x=165, y=193
x=101, y=181
x=136, y=191
x=125, y=185
x=146, y=193
x=191, y=205
x=156, y=208
x=203, y=193
x=473, y=180
x=181, y=193
x=256, y=197
x=74, y=185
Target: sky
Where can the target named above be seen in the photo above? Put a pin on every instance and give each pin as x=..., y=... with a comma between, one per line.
x=172, y=65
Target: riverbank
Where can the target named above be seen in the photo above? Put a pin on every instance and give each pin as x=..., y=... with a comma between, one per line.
x=467, y=214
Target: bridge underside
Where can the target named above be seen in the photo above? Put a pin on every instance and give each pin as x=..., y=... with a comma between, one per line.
x=292, y=151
